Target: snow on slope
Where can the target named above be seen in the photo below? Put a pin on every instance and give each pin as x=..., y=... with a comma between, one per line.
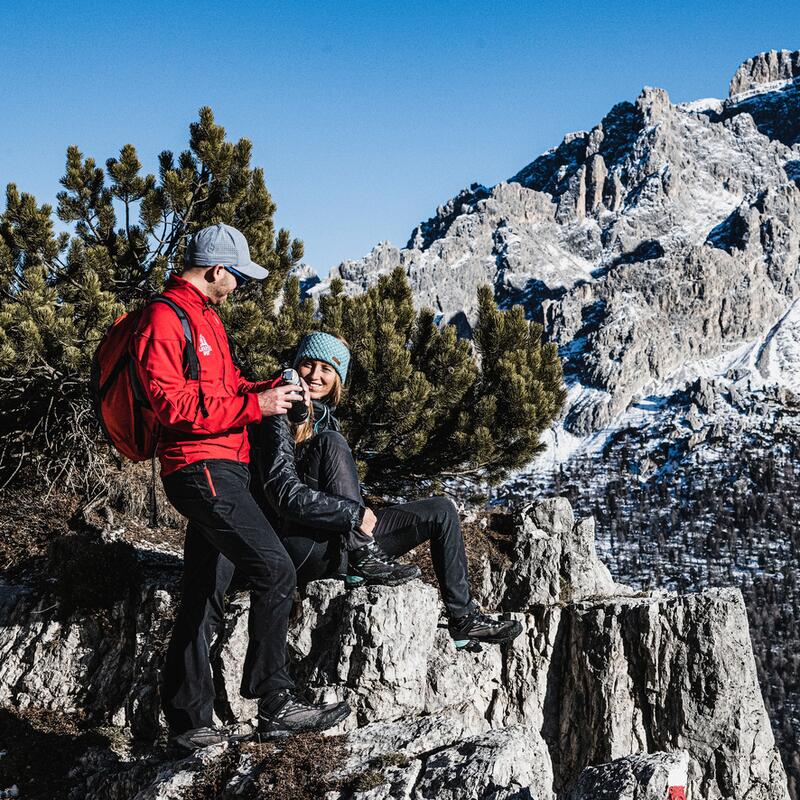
x=770, y=362
x=778, y=357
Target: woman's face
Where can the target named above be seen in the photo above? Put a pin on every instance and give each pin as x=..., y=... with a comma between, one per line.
x=320, y=377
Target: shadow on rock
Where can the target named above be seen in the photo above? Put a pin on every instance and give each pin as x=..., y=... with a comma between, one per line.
x=41, y=749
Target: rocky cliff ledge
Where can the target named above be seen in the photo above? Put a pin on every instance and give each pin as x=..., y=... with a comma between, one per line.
x=607, y=693
x=766, y=68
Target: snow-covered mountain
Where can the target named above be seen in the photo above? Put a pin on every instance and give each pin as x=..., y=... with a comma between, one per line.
x=665, y=239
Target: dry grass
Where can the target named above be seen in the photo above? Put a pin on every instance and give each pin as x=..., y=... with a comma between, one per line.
x=60, y=547
x=89, y=575
x=300, y=768
x=28, y=525
x=493, y=542
x=215, y=778
x=32, y=521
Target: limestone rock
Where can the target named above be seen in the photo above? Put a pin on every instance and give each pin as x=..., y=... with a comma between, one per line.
x=166, y=780
x=412, y=737
x=503, y=764
x=584, y=575
x=107, y=667
x=397, y=784
x=689, y=662
x=597, y=674
x=554, y=561
x=638, y=777
x=769, y=67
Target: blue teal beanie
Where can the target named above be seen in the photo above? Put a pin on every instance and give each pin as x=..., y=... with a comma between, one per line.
x=324, y=347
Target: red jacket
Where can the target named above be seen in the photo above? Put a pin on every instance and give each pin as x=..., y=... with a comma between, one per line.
x=188, y=434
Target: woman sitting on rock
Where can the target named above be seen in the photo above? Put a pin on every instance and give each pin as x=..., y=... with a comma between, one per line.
x=310, y=482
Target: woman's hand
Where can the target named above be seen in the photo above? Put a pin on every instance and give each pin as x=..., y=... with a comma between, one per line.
x=279, y=400
x=368, y=522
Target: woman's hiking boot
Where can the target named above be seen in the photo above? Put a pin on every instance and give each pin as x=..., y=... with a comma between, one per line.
x=475, y=627
x=371, y=565
x=284, y=713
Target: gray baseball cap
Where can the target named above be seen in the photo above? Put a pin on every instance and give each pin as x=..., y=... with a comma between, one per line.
x=222, y=244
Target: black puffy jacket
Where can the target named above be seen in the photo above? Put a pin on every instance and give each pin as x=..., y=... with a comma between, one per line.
x=278, y=487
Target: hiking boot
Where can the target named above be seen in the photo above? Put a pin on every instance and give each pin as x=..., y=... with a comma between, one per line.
x=196, y=738
x=285, y=713
x=475, y=627
x=370, y=565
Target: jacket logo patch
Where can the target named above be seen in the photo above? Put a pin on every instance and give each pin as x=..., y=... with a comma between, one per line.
x=204, y=347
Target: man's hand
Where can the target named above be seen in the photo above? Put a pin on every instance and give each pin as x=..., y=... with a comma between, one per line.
x=369, y=522
x=279, y=400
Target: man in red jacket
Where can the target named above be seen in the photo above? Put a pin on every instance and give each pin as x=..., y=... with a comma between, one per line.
x=204, y=453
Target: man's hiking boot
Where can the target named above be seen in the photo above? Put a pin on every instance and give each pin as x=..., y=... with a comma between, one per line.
x=196, y=738
x=370, y=565
x=475, y=627
x=285, y=713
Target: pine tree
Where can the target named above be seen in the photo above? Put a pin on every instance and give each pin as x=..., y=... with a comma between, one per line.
x=421, y=407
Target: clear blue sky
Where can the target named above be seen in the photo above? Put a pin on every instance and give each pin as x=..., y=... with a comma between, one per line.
x=365, y=116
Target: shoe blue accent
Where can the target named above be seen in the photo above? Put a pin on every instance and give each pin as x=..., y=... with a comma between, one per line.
x=353, y=580
x=459, y=643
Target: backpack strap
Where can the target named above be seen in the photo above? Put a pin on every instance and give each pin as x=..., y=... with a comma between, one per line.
x=139, y=402
x=189, y=353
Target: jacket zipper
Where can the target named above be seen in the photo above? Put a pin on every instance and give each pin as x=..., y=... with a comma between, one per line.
x=212, y=325
x=208, y=309
x=210, y=482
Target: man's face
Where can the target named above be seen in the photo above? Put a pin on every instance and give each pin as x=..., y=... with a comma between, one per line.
x=221, y=283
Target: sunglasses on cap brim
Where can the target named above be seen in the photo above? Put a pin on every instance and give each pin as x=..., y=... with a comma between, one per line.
x=241, y=279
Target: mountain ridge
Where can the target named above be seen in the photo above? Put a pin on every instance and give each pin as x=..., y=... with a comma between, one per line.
x=656, y=194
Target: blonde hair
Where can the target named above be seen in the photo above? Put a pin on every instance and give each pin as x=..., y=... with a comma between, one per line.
x=305, y=430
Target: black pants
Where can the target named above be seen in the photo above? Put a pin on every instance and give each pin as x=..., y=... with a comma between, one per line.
x=226, y=531
x=326, y=463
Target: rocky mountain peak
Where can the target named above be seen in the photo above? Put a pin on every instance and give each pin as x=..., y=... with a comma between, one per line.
x=765, y=68
x=652, y=102
x=678, y=218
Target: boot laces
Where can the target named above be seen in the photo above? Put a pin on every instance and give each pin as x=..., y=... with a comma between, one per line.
x=376, y=555
x=478, y=618
x=292, y=704
x=295, y=703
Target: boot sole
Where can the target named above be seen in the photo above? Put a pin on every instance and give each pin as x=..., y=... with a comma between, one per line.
x=184, y=746
x=461, y=643
x=334, y=718
x=354, y=581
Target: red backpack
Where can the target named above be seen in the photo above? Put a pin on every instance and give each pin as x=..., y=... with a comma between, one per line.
x=120, y=403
